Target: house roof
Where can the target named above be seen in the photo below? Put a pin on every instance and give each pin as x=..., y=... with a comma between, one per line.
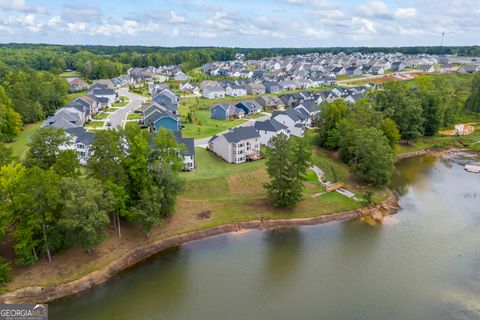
x=241, y=133
x=269, y=125
x=188, y=142
x=81, y=135
x=311, y=106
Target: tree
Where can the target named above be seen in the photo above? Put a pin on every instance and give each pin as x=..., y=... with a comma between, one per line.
x=37, y=202
x=45, y=147
x=473, y=101
x=107, y=154
x=331, y=113
x=166, y=150
x=83, y=206
x=5, y=271
x=371, y=156
x=10, y=176
x=135, y=164
x=5, y=154
x=67, y=164
x=401, y=104
x=287, y=162
x=10, y=120
x=363, y=115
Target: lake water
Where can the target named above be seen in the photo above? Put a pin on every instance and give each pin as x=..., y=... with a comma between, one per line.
x=422, y=263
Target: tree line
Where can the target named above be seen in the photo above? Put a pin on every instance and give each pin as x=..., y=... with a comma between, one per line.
x=99, y=62
x=27, y=96
x=49, y=202
x=366, y=133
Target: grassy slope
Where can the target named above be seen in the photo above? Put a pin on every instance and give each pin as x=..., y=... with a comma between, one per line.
x=222, y=192
x=19, y=146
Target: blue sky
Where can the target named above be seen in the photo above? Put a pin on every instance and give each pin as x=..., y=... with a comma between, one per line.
x=242, y=23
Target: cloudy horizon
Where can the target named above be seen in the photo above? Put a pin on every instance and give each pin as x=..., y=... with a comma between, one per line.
x=247, y=23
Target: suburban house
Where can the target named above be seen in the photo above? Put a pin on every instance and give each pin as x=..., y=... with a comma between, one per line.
x=427, y=68
x=180, y=76
x=271, y=103
x=288, y=85
x=225, y=111
x=255, y=88
x=249, y=107
x=213, y=92
x=238, y=145
x=293, y=119
x=157, y=118
x=81, y=141
x=353, y=71
x=268, y=129
x=99, y=91
x=272, y=87
x=76, y=85
x=187, y=151
x=65, y=118
x=397, y=66
x=310, y=107
x=236, y=90
x=189, y=87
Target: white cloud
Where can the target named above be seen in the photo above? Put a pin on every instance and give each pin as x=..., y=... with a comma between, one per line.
x=77, y=26
x=317, y=33
x=54, y=21
x=374, y=8
x=175, y=18
x=18, y=5
x=405, y=12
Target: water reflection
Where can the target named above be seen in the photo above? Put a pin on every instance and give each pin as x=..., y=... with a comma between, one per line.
x=427, y=266
x=405, y=173
x=283, y=254
x=161, y=283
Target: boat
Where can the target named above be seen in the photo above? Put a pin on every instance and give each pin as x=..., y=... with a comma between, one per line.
x=473, y=167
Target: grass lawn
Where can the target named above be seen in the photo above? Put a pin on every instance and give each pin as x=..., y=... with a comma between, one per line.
x=19, y=146
x=205, y=125
x=72, y=96
x=101, y=116
x=235, y=192
x=134, y=116
x=123, y=101
x=70, y=74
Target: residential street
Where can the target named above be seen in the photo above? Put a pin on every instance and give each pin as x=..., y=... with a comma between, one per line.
x=117, y=118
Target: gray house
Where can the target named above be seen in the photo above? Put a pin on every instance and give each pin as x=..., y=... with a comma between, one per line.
x=225, y=111
x=239, y=145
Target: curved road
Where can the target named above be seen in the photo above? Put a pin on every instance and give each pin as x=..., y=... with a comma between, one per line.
x=117, y=118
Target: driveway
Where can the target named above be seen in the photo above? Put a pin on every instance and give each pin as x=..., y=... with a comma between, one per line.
x=117, y=118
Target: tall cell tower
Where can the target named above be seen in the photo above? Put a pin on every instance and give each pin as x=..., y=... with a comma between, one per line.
x=443, y=35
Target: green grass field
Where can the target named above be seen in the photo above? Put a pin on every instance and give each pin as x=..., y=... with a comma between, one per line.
x=19, y=147
x=70, y=74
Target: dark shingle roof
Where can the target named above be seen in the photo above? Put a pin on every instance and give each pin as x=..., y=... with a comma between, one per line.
x=269, y=125
x=241, y=133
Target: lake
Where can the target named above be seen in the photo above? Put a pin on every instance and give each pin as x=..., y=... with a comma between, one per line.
x=421, y=263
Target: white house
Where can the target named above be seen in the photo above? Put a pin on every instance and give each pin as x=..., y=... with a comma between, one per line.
x=213, y=92
x=268, y=129
x=81, y=141
x=239, y=145
x=236, y=90
x=293, y=119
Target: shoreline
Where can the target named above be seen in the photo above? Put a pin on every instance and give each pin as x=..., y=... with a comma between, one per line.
x=436, y=151
x=39, y=294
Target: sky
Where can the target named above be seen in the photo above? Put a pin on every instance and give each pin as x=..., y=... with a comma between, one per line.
x=242, y=23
